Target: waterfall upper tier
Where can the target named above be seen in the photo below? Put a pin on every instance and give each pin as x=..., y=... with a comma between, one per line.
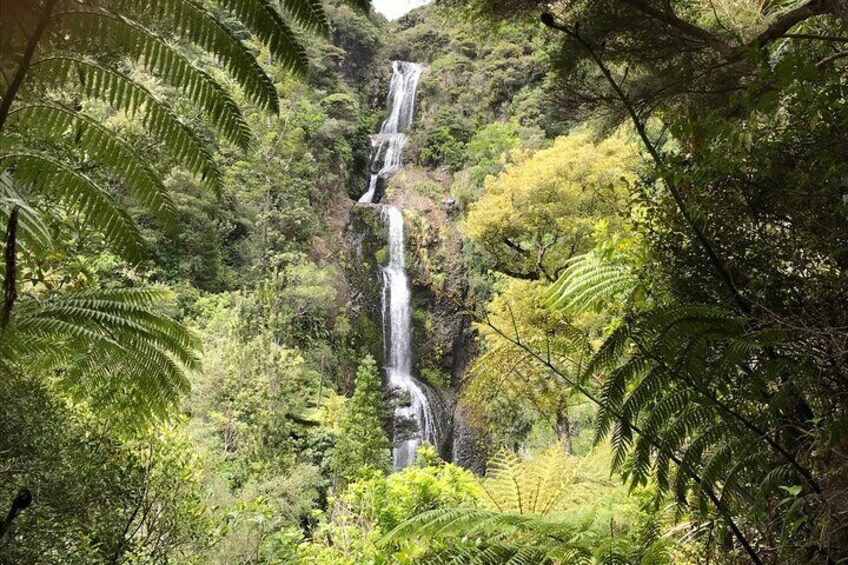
x=405, y=77
x=387, y=146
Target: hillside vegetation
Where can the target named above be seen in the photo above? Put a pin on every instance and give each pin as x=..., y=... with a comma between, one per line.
x=625, y=238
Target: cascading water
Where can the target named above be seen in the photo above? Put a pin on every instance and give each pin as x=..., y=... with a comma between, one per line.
x=397, y=321
x=387, y=147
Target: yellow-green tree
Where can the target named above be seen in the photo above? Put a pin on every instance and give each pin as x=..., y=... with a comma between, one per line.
x=507, y=388
x=542, y=210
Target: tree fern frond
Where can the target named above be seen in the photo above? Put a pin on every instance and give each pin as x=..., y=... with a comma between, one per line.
x=589, y=281
x=308, y=13
x=716, y=465
x=122, y=93
x=50, y=121
x=362, y=5
x=263, y=19
x=76, y=190
x=33, y=235
x=613, y=393
x=611, y=352
x=109, y=347
x=198, y=25
x=157, y=56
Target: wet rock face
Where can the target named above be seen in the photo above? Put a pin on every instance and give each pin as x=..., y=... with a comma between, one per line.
x=471, y=449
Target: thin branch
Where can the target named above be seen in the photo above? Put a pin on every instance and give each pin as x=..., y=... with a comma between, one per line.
x=790, y=19
x=681, y=25
x=817, y=37
x=835, y=57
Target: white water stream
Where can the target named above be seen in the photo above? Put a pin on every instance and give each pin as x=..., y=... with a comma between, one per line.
x=398, y=329
x=387, y=147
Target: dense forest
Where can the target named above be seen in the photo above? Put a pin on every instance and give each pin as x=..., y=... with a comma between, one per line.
x=496, y=282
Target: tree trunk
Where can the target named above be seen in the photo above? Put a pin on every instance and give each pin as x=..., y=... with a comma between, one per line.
x=563, y=430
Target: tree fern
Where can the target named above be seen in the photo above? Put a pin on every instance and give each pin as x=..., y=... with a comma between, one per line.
x=110, y=347
x=686, y=405
x=77, y=190
x=468, y=535
x=57, y=53
x=690, y=396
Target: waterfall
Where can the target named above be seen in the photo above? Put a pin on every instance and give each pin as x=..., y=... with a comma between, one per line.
x=386, y=149
x=398, y=339
x=386, y=146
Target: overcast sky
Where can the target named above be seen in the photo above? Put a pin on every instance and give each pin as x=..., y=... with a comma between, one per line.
x=394, y=9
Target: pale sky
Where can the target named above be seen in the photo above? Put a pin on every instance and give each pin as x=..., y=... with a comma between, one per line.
x=393, y=9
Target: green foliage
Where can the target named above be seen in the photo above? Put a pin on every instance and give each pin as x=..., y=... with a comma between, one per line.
x=113, y=348
x=593, y=283
x=543, y=209
x=524, y=519
x=442, y=148
x=362, y=444
x=352, y=529
x=97, y=497
x=488, y=147
x=508, y=391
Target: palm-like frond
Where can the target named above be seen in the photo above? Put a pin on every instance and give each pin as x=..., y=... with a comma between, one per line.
x=473, y=536
x=61, y=50
x=685, y=404
x=308, y=13
x=589, y=282
x=690, y=394
x=111, y=347
x=47, y=121
x=78, y=191
x=116, y=88
x=529, y=486
x=32, y=233
x=362, y=5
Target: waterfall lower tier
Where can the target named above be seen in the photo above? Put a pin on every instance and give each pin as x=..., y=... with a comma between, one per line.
x=397, y=323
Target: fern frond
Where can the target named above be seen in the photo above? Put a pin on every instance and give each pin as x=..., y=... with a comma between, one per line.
x=588, y=282
x=308, y=13
x=49, y=121
x=204, y=92
x=361, y=5
x=198, y=25
x=611, y=352
x=111, y=348
x=33, y=234
x=78, y=191
x=122, y=93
